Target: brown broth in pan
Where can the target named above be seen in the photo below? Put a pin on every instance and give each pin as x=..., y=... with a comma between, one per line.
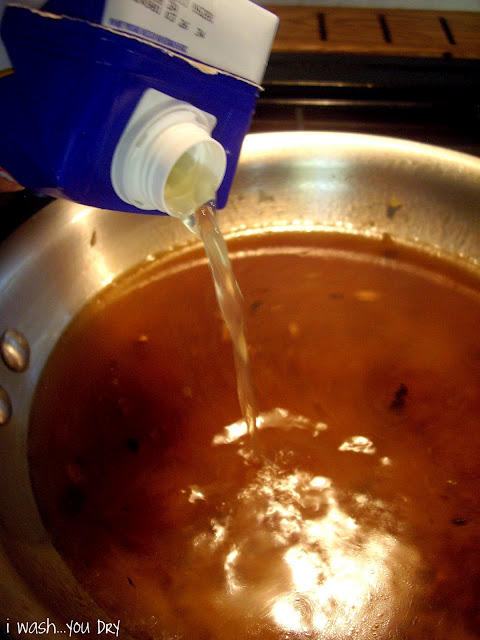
x=353, y=511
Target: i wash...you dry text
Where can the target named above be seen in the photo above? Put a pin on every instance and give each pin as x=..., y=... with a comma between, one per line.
x=72, y=628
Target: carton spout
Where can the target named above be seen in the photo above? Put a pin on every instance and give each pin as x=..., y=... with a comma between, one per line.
x=166, y=158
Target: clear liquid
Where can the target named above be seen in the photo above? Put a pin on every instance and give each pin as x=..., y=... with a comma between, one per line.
x=189, y=185
x=230, y=300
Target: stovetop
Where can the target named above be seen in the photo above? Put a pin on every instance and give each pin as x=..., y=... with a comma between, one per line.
x=406, y=73
x=430, y=100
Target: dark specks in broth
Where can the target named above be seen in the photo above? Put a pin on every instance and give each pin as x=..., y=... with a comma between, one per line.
x=399, y=399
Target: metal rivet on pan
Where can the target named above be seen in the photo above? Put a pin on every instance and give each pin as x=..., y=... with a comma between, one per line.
x=5, y=407
x=15, y=350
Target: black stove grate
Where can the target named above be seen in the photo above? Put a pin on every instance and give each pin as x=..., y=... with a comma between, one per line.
x=432, y=100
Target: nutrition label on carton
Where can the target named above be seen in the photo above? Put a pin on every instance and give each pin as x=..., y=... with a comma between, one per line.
x=232, y=35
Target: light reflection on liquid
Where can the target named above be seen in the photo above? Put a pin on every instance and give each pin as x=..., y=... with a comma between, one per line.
x=358, y=444
x=294, y=556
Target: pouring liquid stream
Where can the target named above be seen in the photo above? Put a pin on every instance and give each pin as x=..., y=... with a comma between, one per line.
x=189, y=183
x=230, y=301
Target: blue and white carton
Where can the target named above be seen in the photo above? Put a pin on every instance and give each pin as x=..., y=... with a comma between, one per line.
x=100, y=100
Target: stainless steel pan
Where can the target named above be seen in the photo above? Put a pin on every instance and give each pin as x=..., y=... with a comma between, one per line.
x=64, y=255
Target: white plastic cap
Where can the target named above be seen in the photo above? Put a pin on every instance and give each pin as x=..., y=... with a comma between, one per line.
x=167, y=160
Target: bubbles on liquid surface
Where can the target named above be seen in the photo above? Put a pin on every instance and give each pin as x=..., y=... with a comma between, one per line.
x=293, y=554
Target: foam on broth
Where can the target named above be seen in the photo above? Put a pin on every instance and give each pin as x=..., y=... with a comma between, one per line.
x=355, y=510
